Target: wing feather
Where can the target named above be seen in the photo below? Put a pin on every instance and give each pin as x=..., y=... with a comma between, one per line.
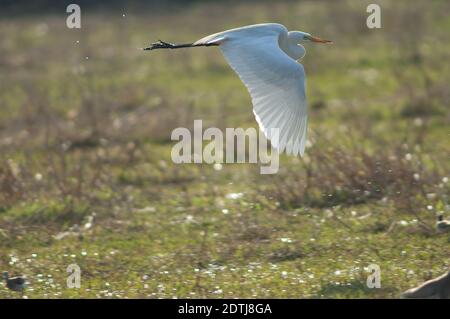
x=274, y=80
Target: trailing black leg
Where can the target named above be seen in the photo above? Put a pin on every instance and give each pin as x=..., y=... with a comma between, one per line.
x=165, y=45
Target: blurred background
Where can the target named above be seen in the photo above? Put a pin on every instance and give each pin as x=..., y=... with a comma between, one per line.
x=86, y=175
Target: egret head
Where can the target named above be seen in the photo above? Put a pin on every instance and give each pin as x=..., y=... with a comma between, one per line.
x=301, y=37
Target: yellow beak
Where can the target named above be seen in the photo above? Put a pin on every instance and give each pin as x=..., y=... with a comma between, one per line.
x=318, y=40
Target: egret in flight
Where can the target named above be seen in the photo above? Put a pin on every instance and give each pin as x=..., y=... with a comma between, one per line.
x=265, y=58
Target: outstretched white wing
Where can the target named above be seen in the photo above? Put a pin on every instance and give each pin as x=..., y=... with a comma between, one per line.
x=275, y=81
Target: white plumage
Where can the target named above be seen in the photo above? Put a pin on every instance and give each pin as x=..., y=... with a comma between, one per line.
x=264, y=56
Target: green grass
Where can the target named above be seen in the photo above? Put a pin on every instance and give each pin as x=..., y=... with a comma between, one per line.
x=84, y=139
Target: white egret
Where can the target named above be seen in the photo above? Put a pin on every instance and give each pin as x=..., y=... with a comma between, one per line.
x=265, y=58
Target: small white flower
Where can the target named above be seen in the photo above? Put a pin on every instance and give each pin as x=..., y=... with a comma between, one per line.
x=234, y=195
x=418, y=121
x=431, y=195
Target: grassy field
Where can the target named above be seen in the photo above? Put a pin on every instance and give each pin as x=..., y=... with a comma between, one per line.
x=86, y=175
